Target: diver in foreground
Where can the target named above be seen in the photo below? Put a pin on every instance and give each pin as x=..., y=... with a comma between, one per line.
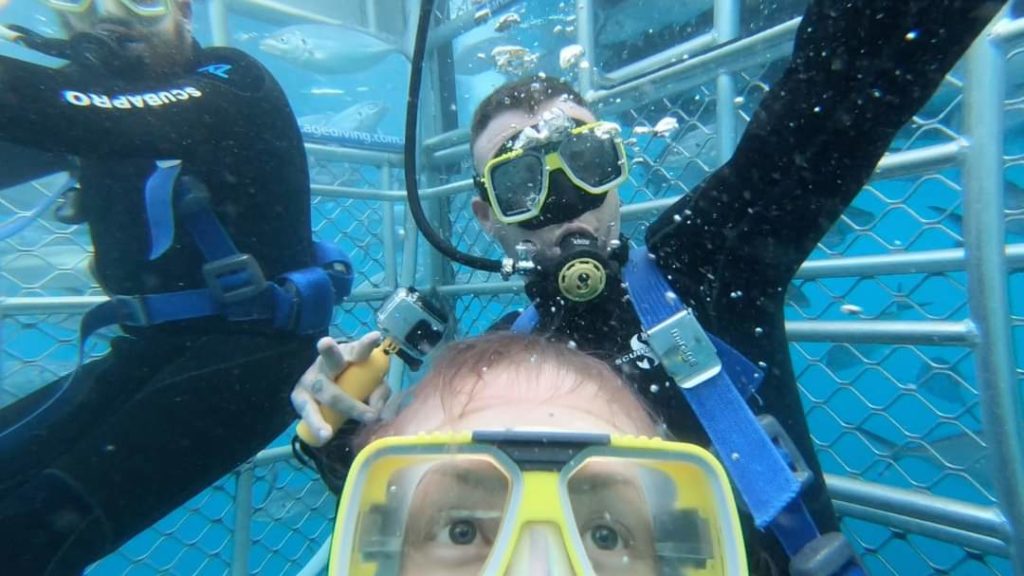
x=718, y=261
x=545, y=464
x=194, y=184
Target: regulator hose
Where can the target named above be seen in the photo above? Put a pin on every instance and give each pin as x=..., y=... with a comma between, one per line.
x=411, y=125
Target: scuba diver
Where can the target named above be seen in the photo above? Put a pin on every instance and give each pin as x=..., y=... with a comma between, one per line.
x=192, y=177
x=547, y=463
x=693, y=319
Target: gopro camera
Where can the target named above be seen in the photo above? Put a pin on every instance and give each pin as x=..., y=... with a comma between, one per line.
x=415, y=322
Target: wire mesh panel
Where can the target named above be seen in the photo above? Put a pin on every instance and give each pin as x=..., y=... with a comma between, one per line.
x=904, y=415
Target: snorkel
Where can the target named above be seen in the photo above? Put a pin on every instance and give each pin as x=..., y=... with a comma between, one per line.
x=580, y=270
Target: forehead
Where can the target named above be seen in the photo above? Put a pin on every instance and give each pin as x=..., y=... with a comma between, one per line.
x=542, y=397
x=508, y=123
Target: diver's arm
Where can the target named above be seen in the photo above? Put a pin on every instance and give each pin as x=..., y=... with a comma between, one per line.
x=859, y=72
x=59, y=111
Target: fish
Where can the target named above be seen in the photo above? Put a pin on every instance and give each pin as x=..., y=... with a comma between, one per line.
x=852, y=218
x=843, y=357
x=1014, y=223
x=285, y=506
x=331, y=49
x=963, y=450
x=796, y=296
x=619, y=21
x=1013, y=203
x=944, y=380
x=361, y=117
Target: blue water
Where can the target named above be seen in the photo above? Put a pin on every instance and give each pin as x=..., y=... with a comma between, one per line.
x=894, y=392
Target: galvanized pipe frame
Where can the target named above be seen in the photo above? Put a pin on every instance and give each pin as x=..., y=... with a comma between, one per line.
x=986, y=257
x=975, y=527
x=988, y=292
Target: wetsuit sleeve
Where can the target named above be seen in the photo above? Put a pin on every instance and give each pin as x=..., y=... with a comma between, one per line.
x=64, y=110
x=859, y=72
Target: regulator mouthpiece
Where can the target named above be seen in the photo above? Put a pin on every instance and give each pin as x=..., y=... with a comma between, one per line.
x=581, y=270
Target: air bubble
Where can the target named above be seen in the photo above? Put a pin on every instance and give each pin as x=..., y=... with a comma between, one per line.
x=655, y=388
x=736, y=294
x=571, y=344
x=758, y=331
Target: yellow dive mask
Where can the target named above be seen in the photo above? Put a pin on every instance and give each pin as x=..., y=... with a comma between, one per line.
x=150, y=8
x=517, y=183
x=536, y=503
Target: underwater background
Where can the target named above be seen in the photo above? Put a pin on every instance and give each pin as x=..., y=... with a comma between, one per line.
x=903, y=415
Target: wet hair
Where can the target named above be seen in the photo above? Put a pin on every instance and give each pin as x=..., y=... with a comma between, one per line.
x=461, y=367
x=527, y=94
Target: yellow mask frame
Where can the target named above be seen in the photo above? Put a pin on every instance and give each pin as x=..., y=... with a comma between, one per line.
x=540, y=468
x=550, y=161
x=78, y=7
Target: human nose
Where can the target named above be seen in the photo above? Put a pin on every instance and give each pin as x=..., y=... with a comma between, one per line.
x=540, y=551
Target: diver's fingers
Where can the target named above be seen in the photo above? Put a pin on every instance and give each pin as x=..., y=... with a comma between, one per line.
x=309, y=411
x=332, y=359
x=379, y=397
x=359, y=350
x=333, y=397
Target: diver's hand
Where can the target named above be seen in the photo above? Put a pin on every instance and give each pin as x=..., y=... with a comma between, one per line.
x=316, y=388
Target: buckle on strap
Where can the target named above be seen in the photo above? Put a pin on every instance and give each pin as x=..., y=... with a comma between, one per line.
x=234, y=278
x=827, y=555
x=787, y=449
x=684, y=349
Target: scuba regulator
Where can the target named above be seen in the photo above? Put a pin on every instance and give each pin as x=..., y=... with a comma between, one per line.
x=412, y=326
x=581, y=269
x=86, y=49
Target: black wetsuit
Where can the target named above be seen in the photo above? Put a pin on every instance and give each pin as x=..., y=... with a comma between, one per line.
x=172, y=408
x=731, y=248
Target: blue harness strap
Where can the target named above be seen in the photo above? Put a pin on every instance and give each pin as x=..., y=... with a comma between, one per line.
x=300, y=301
x=755, y=464
x=715, y=379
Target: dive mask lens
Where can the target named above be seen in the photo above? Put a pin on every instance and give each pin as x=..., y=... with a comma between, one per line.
x=150, y=8
x=594, y=160
x=68, y=5
x=518, y=187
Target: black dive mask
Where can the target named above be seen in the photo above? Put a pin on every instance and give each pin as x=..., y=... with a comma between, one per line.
x=580, y=273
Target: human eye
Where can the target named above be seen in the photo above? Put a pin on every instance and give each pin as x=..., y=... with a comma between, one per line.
x=606, y=536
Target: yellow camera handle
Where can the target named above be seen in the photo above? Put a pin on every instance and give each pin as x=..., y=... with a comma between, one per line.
x=358, y=380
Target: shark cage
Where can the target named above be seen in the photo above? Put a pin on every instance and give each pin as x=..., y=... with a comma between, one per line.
x=906, y=325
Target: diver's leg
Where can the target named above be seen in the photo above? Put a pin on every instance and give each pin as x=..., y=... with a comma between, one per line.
x=217, y=405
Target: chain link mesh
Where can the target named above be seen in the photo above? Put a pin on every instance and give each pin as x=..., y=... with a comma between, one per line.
x=903, y=416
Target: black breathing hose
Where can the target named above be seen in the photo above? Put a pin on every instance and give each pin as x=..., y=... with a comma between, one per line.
x=411, y=124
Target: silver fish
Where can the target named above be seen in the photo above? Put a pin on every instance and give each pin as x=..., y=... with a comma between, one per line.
x=944, y=380
x=796, y=296
x=361, y=117
x=852, y=218
x=843, y=357
x=962, y=450
x=331, y=49
x=955, y=220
